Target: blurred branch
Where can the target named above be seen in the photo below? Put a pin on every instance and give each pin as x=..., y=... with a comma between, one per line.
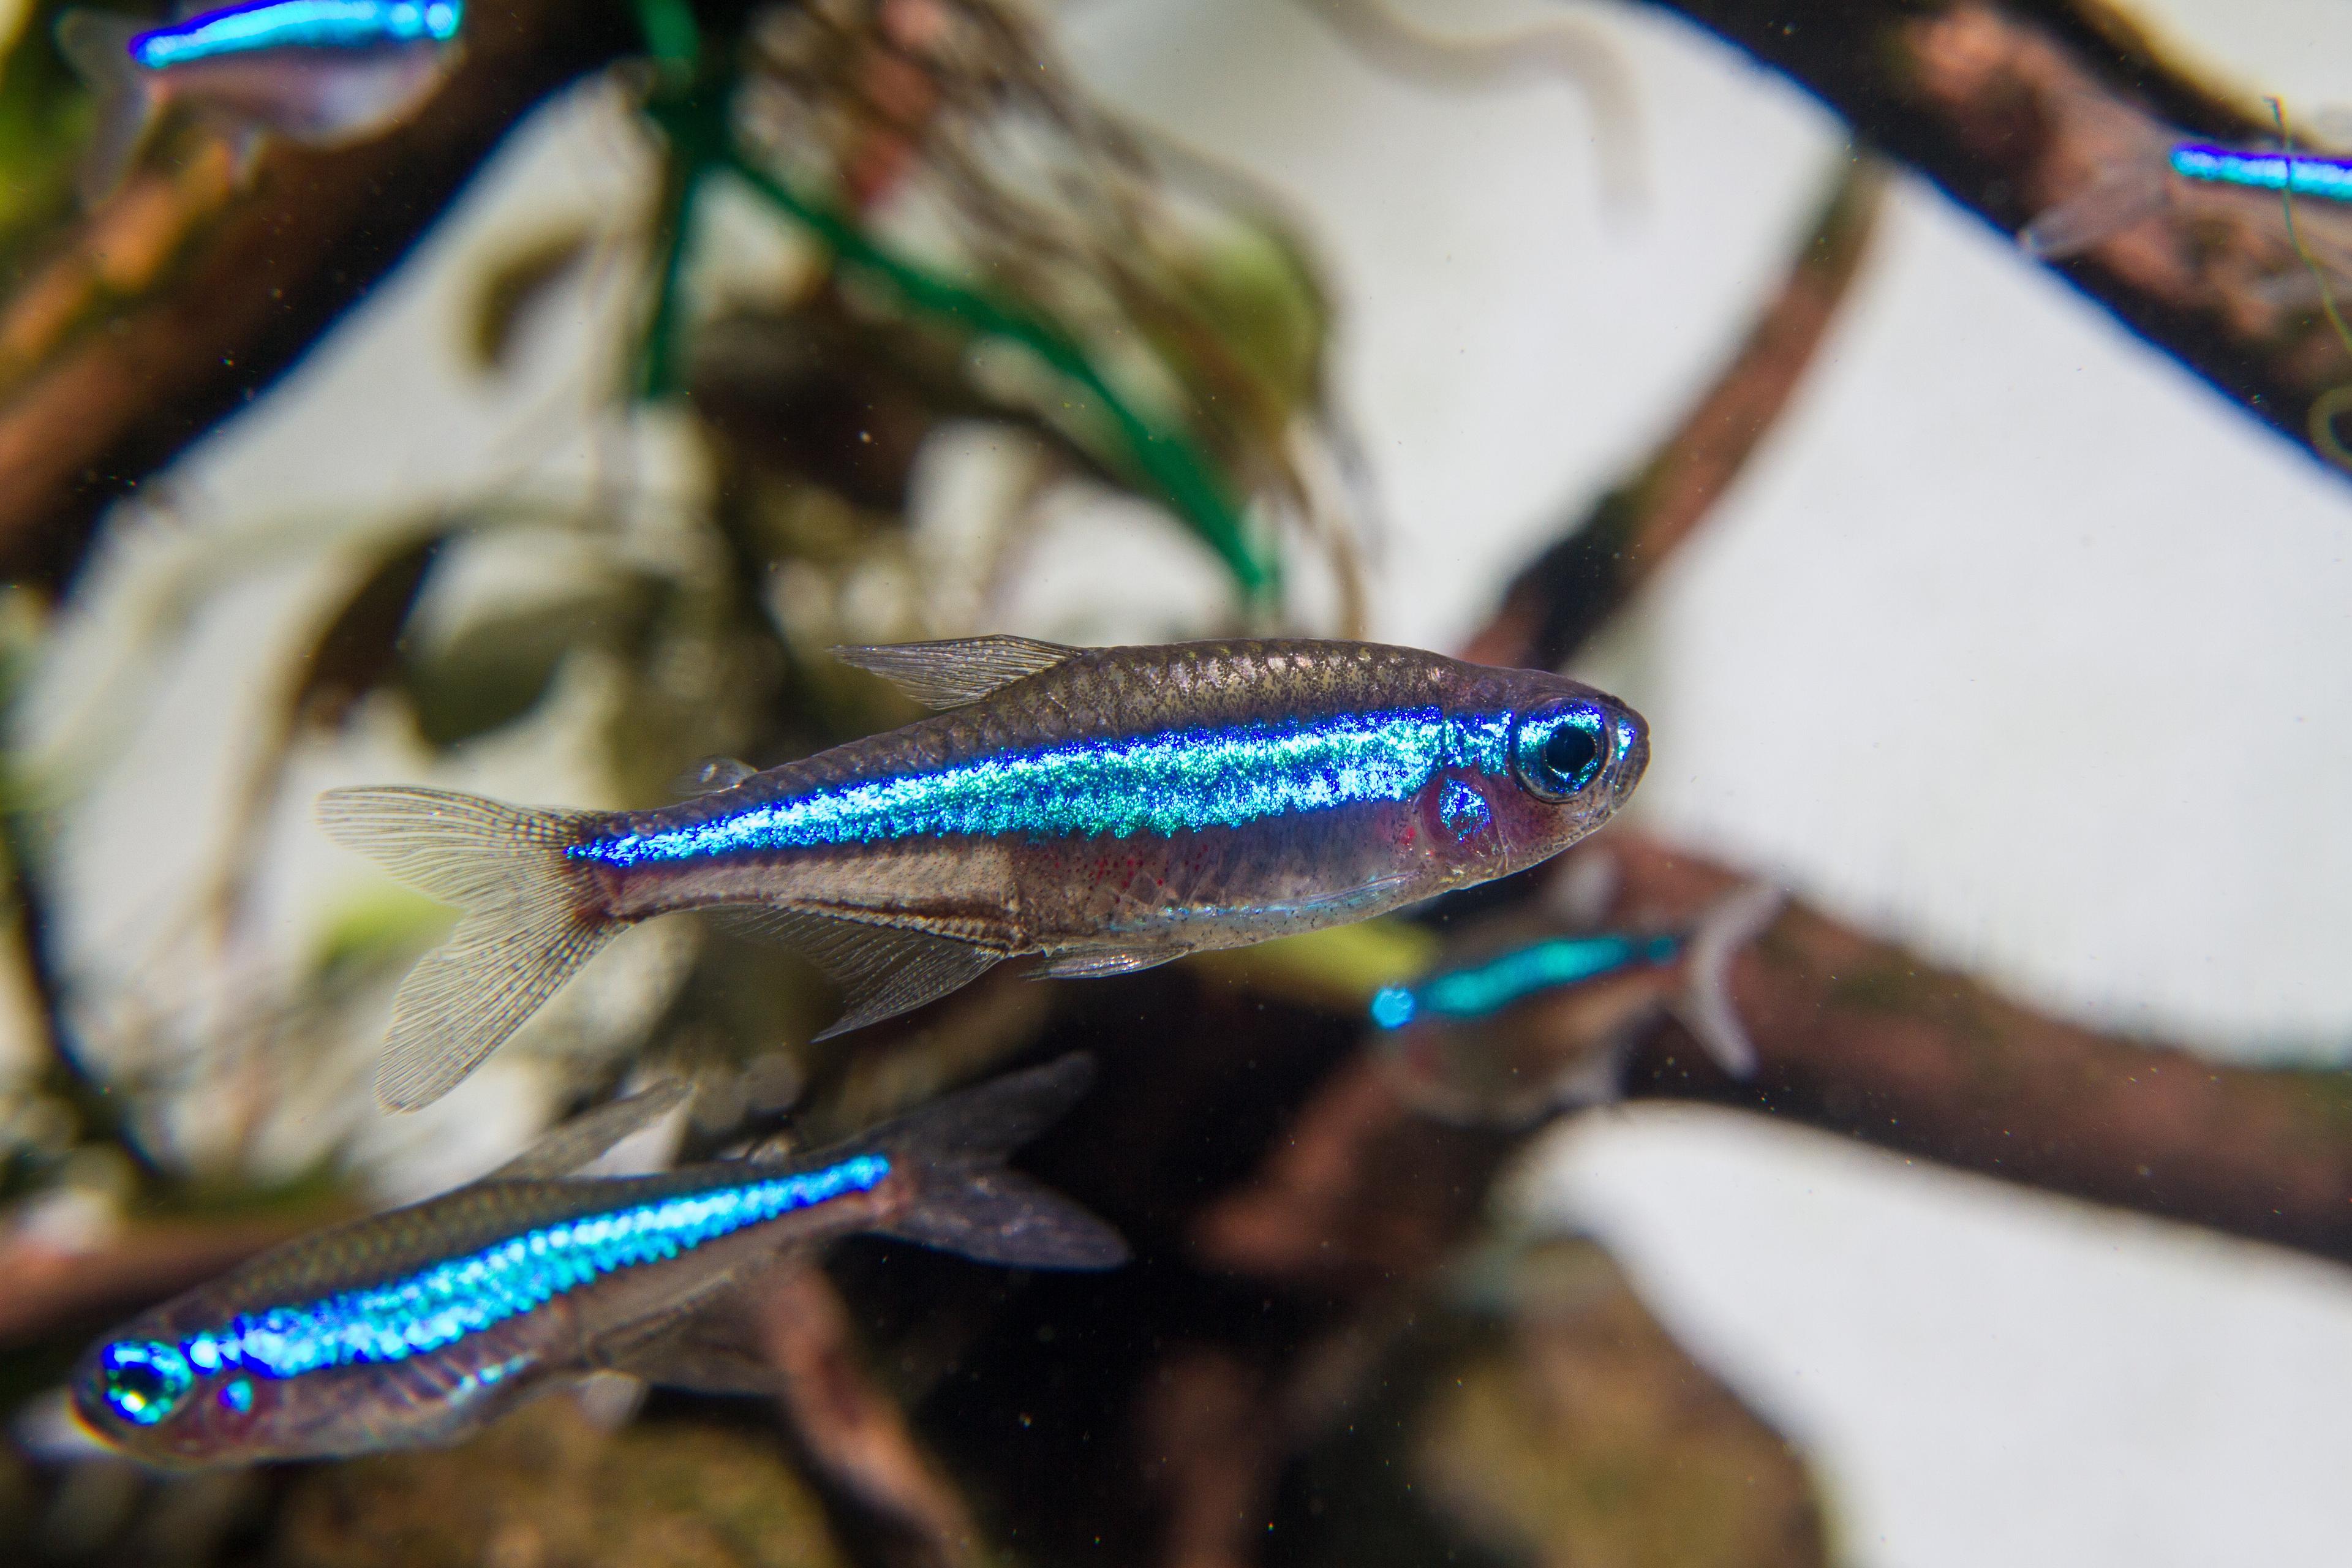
x=50, y=1288
x=1567, y=593
x=853, y=1430
x=242, y=285
x=2012, y=106
x=1860, y=1036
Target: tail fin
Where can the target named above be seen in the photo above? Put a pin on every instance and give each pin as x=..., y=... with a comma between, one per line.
x=2129, y=194
x=532, y=917
x=967, y=1202
x=96, y=44
x=1737, y=920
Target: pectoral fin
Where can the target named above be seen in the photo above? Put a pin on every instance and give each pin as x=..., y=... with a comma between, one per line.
x=1094, y=963
x=883, y=971
x=964, y=669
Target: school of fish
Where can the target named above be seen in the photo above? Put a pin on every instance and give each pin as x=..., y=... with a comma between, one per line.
x=1094, y=811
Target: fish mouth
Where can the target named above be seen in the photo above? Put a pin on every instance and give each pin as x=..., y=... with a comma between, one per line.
x=1632, y=756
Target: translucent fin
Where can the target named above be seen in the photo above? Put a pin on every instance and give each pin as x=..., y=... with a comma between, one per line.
x=531, y=918
x=2124, y=196
x=1737, y=920
x=964, y=669
x=883, y=971
x=966, y=1202
x=588, y=1135
x=708, y=1349
x=96, y=44
x=1094, y=963
x=714, y=773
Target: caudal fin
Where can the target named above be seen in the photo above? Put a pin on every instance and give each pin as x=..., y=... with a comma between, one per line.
x=96, y=44
x=1737, y=920
x=532, y=917
x=2129, y=194
x=967, y=1202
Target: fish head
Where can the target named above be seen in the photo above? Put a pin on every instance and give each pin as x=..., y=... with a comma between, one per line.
x=1572, y=756
x=149, y=1391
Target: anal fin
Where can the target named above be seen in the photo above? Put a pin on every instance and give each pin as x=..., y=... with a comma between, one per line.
x=883, y=971
x=959, y=670
x=710, y=1348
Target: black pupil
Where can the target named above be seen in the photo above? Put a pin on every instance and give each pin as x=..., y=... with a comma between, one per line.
x=1570, y=753
x=140, y=1383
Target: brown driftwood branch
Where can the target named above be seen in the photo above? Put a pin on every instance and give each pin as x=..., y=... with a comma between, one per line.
x=175, y=303
x=2012, y=106
x=1860, y=1037
x=1565, y=594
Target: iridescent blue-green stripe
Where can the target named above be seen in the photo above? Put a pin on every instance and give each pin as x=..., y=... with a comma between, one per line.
x=2305, y=175
x=1164, y=783
x=443, y=1303
x=299, y=24
x=1492, y=987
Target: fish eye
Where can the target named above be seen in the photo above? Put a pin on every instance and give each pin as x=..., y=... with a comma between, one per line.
x=145, y=1380
x=1560, y=753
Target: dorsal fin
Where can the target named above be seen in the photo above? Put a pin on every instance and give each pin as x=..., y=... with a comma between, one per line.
x=586, y=1136
x=959, y=670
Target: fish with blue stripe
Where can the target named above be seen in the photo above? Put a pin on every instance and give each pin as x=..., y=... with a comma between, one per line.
x=1101, y=810
x=417, y=1326
x=1522, y=1023
x=323, y=72
x=2134, y=189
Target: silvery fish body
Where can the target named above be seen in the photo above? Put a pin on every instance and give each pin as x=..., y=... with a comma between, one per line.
x=1104, y=809
x=419, y=1325
x=316, y=72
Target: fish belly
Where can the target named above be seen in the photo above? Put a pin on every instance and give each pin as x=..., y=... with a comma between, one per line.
x=962, y=887
x=1226, y=887
x=1181, y=892
x=317, y=96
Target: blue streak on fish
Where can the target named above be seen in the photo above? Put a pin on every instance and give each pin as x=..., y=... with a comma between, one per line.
x=419, y=1325
x=2138, y=187
x=1165, y=784
x=323, y=72
x=2303, y=174
x=297, y=23
x=1477, y=992
x=1101, y=809
x=1540, y=1021
x=442, y=1304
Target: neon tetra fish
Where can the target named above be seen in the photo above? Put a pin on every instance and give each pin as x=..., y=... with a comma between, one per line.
x=1542, y=1023
x=420, y=1325
x=318, y=71
x=1104, y=809
x=2138, y=188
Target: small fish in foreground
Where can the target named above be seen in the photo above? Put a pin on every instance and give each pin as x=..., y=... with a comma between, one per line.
x=418, y=1326
x=1544, y=1023
x=323, y=72
x=1105, y=809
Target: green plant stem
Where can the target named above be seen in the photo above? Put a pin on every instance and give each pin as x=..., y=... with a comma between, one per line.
x=1168, y=462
